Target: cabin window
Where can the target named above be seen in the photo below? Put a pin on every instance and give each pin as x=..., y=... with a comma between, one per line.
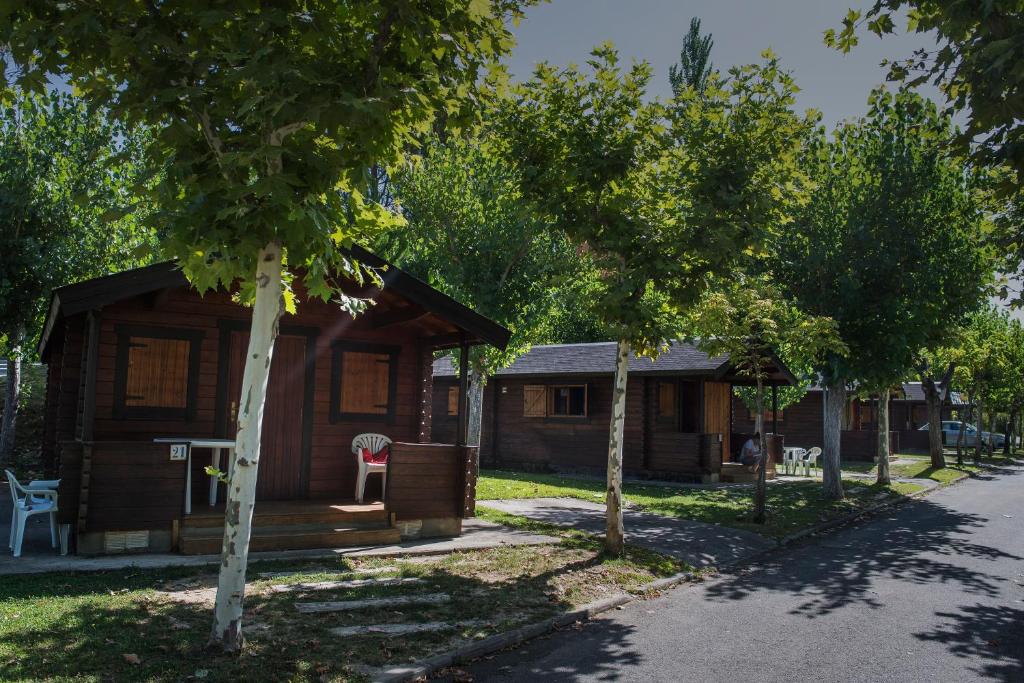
x=690, y=418
x=453, y=400
x=667, y=400
x=156, y=373
x=363, y=382
x=567, y=401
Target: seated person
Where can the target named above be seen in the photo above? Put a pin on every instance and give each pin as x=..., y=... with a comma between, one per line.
x=750, y=454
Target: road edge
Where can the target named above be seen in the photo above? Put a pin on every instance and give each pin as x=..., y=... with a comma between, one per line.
x=500, y=641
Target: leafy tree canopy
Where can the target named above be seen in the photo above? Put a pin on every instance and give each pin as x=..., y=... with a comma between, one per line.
x=976, y=64
x=660, y=197
x=890, y=244
x=68, y=175
x=266, y=115
x=473, y=237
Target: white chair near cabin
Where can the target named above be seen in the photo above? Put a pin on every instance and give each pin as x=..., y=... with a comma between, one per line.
x=810, y=460
x=34, y=499
x=374, y=443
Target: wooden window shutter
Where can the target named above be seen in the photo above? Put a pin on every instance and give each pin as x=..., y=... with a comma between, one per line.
x=365, y=383
x=157, y=373
x=535, y=400
x=453, y=400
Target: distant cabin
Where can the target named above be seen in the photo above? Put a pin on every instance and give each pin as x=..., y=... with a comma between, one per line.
x=803, y=422
x=551, y=410
x=141, y=369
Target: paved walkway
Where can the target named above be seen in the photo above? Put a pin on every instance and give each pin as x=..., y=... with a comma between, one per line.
x=697, y=543
x=37, y=555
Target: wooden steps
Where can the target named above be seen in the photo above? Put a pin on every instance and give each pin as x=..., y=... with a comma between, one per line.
x=299, y=525
x=736, y=473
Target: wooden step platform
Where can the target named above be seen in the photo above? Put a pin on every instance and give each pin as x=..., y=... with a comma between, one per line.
x=737, y=473
x=293, y=525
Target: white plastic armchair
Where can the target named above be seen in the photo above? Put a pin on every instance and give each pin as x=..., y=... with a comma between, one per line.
x=373, y=442
x=810, y=460
x=28, y=502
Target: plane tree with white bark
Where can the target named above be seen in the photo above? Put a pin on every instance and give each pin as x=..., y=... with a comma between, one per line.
x=660, y=196
x=265, y=118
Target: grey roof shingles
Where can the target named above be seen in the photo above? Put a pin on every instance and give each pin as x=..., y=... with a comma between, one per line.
x=598, y=358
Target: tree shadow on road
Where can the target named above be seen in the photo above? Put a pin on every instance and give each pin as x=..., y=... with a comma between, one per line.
x=994, y=636
x=918, y=546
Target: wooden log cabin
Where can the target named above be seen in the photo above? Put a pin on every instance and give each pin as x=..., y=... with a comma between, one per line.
x=802, y=423
x=140, y=366
x=550, y=411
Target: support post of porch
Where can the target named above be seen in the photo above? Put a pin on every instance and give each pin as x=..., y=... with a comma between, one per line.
x=462, y=433
x=775, y=409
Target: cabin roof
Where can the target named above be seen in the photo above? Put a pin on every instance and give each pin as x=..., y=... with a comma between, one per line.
x=914, y=392
x=420, y=299
x=598, y=358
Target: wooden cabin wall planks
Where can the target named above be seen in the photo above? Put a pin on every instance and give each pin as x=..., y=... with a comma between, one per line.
x=332, y=465
x=427, y=481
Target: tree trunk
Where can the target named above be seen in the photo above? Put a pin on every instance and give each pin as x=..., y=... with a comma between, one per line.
x=477, y=381
x=883, y=438
x=12, y=401
x=960, y=433
x=977, y=436
x=760, y=492
x=1010, y=433
x=241, y=497
x=991, y=432
x=933, y=405
x=615, y=536
x=832, y=478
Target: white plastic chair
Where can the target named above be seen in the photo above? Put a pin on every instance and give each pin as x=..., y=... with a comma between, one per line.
x=373, y=442
x=810, y=460
x=27, y=502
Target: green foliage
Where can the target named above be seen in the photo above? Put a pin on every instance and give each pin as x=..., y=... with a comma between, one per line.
x=749, y=319
x=977, y=65
x=67, y=179
x=660, y=197
x=890, y=243
x=472, y=237
x=694, y=66
x=267, y=115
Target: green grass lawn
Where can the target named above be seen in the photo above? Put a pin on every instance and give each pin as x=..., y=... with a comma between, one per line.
x=792, y=505
x=135, y=625
x=921, y=468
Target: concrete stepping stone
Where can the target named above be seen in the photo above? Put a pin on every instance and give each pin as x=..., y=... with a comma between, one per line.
x=403, y=629
x=325, y=570
x=398, y=601
x=335, y=585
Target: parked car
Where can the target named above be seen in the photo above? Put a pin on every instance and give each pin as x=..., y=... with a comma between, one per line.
x=951, y=433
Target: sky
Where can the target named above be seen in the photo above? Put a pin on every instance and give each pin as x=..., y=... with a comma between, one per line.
x=564, y=31
x=834, y=83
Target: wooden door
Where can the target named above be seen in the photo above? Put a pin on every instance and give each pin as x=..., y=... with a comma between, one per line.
x=281, y=468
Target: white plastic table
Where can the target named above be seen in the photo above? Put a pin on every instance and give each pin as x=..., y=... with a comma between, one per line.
x=215, y=446
x=790, y=454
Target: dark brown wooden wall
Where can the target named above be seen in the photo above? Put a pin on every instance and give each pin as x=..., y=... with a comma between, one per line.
x=332, y=465
x=652, y=445
x=429, y=481
x=801, y=423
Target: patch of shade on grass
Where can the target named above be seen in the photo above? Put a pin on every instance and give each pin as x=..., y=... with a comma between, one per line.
x=131, y=625
x=792, y=506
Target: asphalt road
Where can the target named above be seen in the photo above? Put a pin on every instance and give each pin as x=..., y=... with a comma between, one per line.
x=933, y=591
